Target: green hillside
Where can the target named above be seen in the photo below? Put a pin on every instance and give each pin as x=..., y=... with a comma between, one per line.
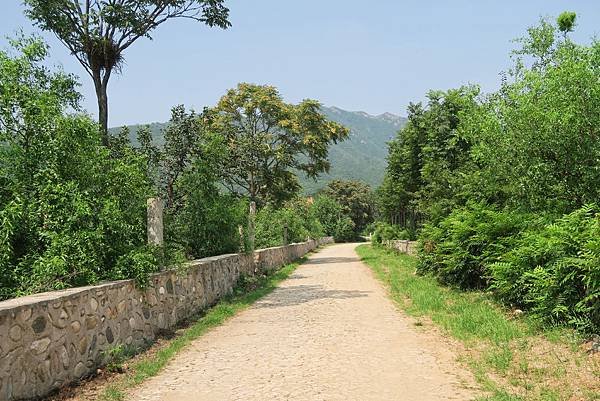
x=363, y=155
x=360, y=157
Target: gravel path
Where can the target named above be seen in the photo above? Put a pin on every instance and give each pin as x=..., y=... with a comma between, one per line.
x=329, y=332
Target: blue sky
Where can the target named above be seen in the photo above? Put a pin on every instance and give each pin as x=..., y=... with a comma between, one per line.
x=372, y=56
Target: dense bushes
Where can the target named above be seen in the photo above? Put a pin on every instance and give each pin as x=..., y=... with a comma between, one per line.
x=357, y=206
x=384, y=231
x=334, y=221
x=201, y=219
x=554, y=271
x=461, y=247
x=503, y=180
x=207, y=223
x=298, y=216
x=550, y=269
x=71, y=212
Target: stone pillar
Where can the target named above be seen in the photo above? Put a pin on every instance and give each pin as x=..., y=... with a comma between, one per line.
x=242, y=239
x=155, y=221
x=285, y=235
x=251, y=218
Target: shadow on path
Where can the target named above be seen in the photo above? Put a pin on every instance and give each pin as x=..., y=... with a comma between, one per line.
x=324, y=261
x=299, y=294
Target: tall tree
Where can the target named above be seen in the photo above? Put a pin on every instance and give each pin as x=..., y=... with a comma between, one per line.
x=97, y=32
x=426, y=160
x=356, y=200
x=269, y=140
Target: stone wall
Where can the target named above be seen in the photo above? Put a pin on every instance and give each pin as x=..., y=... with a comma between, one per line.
x=52, y=339
x=402, y=246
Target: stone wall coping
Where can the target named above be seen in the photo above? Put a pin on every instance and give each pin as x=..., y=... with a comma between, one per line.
x=282, y=246
x=54, y=296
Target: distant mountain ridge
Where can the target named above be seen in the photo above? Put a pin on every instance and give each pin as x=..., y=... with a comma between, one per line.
x=361, y=157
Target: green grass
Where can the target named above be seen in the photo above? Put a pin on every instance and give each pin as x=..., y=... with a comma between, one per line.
x=466, y=316
x=243, y=296
x=498, y=346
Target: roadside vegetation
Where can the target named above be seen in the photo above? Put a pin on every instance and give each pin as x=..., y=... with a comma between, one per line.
x=73, y=209
x=508, y=182
x=513, y=357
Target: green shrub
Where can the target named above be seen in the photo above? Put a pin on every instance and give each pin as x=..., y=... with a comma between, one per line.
x=117, y=356
x=344, y=230
x=460, y=248
x=334, y=221
x=72, y=211
x=385, y=231
x=554, y=271
x=299, y=218
x=356, y=199
x=208, y=222
x=329, y=213
x=370, y=228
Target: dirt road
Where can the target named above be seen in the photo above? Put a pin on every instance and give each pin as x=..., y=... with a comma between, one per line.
x=329, y=332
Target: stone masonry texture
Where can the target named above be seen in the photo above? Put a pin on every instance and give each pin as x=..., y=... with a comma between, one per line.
x=402, y=246
x=51, y=339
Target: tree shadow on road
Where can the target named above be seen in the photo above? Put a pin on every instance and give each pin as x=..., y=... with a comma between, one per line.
x=324, y=261
x=300, y=294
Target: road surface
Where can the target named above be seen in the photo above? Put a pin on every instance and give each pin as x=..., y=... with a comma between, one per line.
x=328, y=332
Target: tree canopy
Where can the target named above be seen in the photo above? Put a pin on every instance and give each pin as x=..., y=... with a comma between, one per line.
x=268, y=141
x=356, y=200
x=71, y=213
x=98, y=32
x=425, y=160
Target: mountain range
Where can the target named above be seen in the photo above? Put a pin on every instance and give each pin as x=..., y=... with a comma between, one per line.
x=361, y=157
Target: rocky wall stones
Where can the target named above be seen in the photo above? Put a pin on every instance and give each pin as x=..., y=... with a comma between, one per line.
x=402, y=246
x=49, y=340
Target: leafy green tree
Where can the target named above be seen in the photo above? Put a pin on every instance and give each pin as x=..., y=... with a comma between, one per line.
x=427, y=160
x=335, y=222
x=329, y=213
x=206, y=222
x=268, y=141
x=536, y=139
x=184, y=144
x=403, y=173
x=71, y=212
x=356, y=200
x=385, y=231
x=528, y=229
x=566, y=21
x=200, y=219
x=98, y=32
x=297, y=217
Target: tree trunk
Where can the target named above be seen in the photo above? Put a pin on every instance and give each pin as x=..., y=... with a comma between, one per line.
x=100, y=85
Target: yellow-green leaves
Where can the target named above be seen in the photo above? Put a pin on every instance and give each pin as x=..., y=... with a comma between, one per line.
x=269, y=140
x=566, y=21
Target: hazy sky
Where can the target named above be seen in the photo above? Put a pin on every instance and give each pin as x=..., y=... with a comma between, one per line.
x=374, y=56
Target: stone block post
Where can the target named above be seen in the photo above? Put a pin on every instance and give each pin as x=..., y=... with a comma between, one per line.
x=286, y=240
x=242, y=239
x=155, y=221
x=251, y=218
